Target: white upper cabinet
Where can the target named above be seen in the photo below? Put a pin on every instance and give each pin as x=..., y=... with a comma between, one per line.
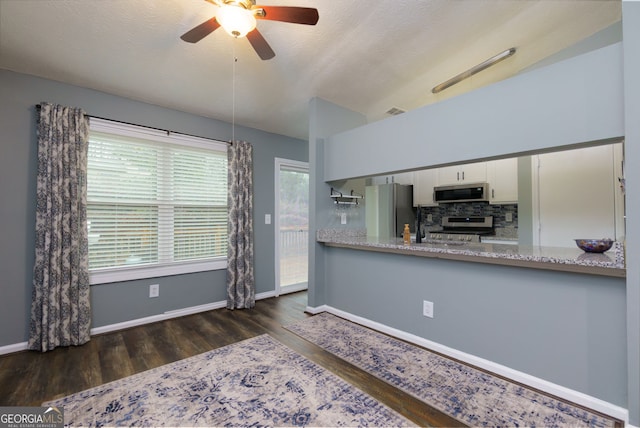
x=461, y=174
x=502, y=176
x=423, y=183
x=403, y=178
x=400, y=178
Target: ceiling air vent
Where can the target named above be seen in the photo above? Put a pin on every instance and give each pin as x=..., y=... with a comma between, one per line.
x=394, y=111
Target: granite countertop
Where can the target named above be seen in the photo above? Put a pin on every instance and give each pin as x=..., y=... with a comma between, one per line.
x=499, y=239
x=610, y=263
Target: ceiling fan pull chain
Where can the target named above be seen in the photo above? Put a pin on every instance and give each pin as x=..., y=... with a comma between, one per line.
x=233, y=94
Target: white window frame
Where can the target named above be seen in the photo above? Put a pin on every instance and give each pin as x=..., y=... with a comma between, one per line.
x=120, y=274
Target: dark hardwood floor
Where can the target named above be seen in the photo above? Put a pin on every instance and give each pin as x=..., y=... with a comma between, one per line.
x=30, y=378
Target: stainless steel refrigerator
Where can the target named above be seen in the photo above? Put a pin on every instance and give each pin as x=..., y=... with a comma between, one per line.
x=388, y=208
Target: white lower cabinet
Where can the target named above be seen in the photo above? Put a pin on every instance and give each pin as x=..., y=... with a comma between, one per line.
x=502, y=176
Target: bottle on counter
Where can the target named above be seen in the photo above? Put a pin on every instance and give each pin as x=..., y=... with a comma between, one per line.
x=406, y=234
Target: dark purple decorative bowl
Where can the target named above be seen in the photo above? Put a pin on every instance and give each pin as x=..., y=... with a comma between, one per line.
x=594, y=245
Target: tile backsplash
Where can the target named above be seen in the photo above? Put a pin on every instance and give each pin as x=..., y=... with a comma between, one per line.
x=500, y=213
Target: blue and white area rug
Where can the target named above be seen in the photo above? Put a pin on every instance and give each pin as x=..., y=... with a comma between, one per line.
x=472, y=396
x=256, y=382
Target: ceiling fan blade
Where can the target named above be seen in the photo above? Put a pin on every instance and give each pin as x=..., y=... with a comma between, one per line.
x=296, y=15
x=201, y=31
x=260, y=45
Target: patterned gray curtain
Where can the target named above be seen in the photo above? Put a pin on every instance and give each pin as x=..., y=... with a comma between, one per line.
x=241, y=293
x=60, y=307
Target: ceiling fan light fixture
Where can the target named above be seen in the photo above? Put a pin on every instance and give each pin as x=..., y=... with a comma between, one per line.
x=236, y=20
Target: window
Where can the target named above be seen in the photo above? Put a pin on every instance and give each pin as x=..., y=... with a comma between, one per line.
x=156, y=203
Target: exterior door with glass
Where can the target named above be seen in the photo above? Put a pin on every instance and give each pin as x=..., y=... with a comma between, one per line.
x=291, y=225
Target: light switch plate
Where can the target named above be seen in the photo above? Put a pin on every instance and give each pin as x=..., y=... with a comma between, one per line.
x=267, y=219
x=427, y=309
x=343, y=218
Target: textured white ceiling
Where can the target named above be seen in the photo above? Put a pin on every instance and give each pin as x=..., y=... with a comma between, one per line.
x=368, y=56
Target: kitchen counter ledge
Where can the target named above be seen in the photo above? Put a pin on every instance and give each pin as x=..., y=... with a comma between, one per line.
x=575, y=260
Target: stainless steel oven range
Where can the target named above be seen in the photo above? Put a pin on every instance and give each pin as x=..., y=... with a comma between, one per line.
x=465, y=229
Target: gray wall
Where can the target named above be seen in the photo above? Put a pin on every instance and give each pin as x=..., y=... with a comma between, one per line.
x=324, y=119
x=631, y=27
x=525, y=201
x=546, y=108
x=117, y=302
x=566, y=328
x=547, y=324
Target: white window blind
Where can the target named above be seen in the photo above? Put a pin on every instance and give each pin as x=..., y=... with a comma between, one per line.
x=154, y=201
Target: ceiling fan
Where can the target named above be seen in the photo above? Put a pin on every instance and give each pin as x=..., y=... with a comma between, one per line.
x=238, y=18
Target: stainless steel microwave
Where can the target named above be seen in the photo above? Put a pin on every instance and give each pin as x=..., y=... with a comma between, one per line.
x=474, y=192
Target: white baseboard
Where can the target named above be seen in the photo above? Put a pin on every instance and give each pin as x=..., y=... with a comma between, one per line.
x=518, y=376
x=266, y=295
x=293, y=288
x=23, y=346
x=171, y=314
x=155, y=318
x=16, y=347
x=318, y=309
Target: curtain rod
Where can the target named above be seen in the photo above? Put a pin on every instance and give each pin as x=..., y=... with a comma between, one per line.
x=168, y=132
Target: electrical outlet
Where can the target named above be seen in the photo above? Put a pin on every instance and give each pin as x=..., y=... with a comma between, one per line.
x=343, y=218
x=508, y=217
x=267, y=219
x=427, y=308
x=154, y=290
x=429, y=218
